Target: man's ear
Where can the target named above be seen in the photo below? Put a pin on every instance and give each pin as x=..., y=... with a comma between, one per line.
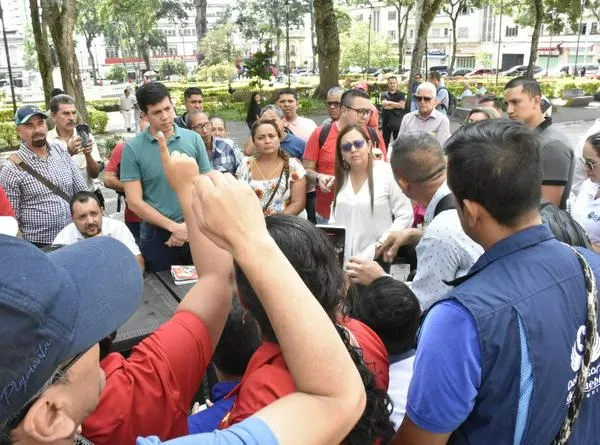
x=47, y=421
x=472, y=212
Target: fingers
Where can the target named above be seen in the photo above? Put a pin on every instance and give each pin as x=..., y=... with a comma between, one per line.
x=165, y=156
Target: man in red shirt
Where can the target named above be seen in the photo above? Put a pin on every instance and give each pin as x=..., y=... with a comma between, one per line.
x=8, y=219
x=151, y=392
x=319, y=159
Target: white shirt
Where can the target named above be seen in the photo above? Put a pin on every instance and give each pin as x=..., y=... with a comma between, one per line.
x=579, y=175
x=400, y=376
x=127, y=102
x=79, y=158
x=110, y=227
x=445, y=252
x=392, y=211
x=586, y=210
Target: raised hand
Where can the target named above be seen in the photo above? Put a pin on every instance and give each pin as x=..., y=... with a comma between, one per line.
x=180, y=169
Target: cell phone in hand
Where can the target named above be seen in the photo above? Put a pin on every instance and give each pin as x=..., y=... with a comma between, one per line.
x=83, y=131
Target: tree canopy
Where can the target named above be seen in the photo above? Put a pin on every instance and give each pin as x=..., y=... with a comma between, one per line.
x=355, y=50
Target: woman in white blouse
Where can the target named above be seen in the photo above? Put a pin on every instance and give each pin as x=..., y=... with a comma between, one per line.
x=586, y=209
x=368, y=201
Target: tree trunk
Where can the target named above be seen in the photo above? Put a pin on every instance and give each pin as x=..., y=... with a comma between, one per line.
x=278, y=52
x=404, y=32
x=400, y=46
x=535, y=37
x=61, y=17
x=328, y=46
x=88, y=45
x=43, y=51
x=454, y=44
x=313, y=41
x=429, y=9
x=201, y=26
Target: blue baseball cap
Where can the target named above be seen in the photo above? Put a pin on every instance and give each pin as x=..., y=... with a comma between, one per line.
x=27, y=112
x=55, y=306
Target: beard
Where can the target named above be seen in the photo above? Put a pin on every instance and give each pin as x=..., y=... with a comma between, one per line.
x=38, y=142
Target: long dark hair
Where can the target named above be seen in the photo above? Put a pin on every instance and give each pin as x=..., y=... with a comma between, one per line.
x=342, y=171
x=313, y=256
x=253, y=109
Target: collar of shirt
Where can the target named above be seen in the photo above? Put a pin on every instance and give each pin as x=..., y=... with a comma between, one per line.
x=29, y=155
x=150, y=138
x=53, y=136
x=220, y=145
x=434, y=115
x=105, y=230
x=544, y=124
x=518, y=241
x=441, y=193
x=221, y=389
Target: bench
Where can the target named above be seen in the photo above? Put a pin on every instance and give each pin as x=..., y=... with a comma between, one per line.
x=574, y=97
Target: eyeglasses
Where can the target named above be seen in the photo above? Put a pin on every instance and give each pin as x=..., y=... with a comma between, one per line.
x=205, y=125
x=360, y=113
x=59, y=374
x=358, y=144
x=423, y=98
x=333, y=104
x=588, y=165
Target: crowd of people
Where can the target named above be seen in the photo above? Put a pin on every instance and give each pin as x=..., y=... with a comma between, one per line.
x=492, y=337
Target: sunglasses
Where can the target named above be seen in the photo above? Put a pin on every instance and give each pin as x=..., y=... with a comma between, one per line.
x=360, y=113
x=358, y=144
x=423, y=98
x=588, y=165
x=333, y=104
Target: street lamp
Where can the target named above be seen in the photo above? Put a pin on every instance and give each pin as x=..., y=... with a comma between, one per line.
x=369, y=40
x=578, y=36
x=181, y=33
x=10, y=76
x=499, y=41
x=287, y=43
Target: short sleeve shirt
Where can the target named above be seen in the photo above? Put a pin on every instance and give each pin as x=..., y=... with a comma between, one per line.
x=444, y=98
x=114, y=165
x=436, y=124
x=302, y=127
x=281, y=191
x=141, y=162
x=150, y=392
x=392, y=118
x=6, y=208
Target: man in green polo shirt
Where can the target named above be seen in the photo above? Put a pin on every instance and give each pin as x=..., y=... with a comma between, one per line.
x=163, y=234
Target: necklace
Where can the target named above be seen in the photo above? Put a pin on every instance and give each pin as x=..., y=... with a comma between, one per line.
x=262, y=174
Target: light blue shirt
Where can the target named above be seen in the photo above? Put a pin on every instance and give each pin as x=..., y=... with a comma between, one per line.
x=252, y=431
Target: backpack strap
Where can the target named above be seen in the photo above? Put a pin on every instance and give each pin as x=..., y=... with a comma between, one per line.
x=325, y=129
x=446, y=203
x=16, y=159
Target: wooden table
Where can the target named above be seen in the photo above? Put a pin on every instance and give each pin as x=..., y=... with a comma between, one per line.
x=177, y=291
x=157, y=306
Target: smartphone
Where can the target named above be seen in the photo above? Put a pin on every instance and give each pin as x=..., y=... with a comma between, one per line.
x=337, y=235
x=83, y=131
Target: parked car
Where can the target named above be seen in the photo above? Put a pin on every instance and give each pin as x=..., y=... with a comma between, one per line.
x=442, y=69
x=481, y=72
x=461, y=72
x=519, y=70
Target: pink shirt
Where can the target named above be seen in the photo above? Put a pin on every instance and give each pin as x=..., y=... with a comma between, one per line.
x=301, y=127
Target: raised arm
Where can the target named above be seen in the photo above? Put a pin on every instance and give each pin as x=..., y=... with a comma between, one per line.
x=229, y=213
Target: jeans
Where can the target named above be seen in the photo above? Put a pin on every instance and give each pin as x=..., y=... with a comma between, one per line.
x=322, y=220
x=157, y=255
x=134, y=228
x=311, y=202
x=389, y=134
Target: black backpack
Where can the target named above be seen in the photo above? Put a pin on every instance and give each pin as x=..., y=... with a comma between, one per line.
x=325, y=129
x=451, y=102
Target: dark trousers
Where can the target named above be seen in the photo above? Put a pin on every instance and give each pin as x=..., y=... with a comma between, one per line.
x=389, y=134
x=134, y=228
x=311, y=203
x=157, y=255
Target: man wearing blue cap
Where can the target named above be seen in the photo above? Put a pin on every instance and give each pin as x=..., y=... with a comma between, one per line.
x=42, y=209
x=55, y=308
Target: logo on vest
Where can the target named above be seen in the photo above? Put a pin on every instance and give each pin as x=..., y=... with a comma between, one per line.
x=592, y=385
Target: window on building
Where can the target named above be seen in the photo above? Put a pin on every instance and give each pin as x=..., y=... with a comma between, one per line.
x=512, y=31
x=411, y=33
x=583, y=29
x=594, y=29
x=446, y=31
x=111, y=52
x=392, y=15
x=435, y=32
x=293, y=50
x=359, y=16
x=463, y=33
x=392, y=35
x=172, y=51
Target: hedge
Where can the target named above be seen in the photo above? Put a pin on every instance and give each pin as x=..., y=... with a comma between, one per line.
x=97, y=120
x=8, y=135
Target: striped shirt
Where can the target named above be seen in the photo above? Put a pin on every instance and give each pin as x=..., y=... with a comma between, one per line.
x=224, y=157
x=42, y=214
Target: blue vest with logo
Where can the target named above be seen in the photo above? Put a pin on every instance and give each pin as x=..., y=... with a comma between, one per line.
x=530, y=285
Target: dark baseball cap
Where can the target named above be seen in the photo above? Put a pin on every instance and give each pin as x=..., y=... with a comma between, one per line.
x=55, y=306
x=27, y=112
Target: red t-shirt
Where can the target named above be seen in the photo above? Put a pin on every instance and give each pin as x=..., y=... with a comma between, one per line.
x=114, y=165
x=151, y=392
x=6, y=208
x=267, y=377
x=325, y=159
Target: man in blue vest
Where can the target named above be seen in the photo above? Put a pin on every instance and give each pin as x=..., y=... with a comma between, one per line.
x=498, y=361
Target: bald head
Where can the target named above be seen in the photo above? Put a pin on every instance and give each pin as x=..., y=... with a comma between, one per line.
x=417, y=158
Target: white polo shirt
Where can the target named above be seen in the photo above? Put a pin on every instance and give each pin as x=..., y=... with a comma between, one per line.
x=110, y=227
x=586, y=210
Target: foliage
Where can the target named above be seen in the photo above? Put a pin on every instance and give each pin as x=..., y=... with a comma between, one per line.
x=117, y=73
x=29, y=49
x=218, y=46
x=107, y=146
x=258, y=67
x=355, y=51
x=88, y=21
x=216, y=73
x=107, y=105
x=168, y=67
x=8, y=134
x=7, y=115
x=484, y=59
x=97, y=120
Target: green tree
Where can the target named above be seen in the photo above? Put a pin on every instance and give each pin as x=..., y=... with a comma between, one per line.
x=218, y=46
x=355, y=51
x=259, y=67
x=40, y=34
x=169, y=67
x=29, y=49
x=453, y=8
x=90, y=25
x=328, y=46
x=200, y=21
x=117, y=73
x=403, y=8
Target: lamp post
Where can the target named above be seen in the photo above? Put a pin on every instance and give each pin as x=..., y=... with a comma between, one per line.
x=499, y=41
x=369, y=41
x=578, y=37
x=10, y=76
x=287, y=43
